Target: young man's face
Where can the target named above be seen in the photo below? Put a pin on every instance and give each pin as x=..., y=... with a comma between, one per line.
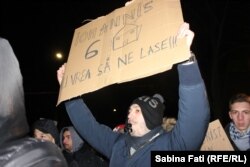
x=43, y=136
x=67, y=141
x=240, y=115
x=136, y=119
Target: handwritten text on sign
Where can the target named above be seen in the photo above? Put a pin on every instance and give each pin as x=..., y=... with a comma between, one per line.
x=132, y=42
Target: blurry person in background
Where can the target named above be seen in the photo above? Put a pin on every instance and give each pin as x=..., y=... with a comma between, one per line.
x=168, y=123
x=17, y=148
x=46, y=129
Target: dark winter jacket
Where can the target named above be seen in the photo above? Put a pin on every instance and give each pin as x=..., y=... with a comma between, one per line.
x=188, y=133
x=16, y=147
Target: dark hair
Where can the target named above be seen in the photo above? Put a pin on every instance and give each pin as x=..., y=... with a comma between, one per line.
x=65, y=129
x=240, y=97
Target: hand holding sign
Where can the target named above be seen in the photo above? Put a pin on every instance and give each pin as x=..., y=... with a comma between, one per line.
x=184, y=31
x=139, y=37
x=60, y=73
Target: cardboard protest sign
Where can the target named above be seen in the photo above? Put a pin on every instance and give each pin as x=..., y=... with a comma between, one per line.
x=216, y=138
x=131, y=42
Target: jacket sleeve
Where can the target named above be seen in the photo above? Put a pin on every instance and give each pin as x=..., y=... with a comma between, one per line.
x=99, y=136
x=194, y=111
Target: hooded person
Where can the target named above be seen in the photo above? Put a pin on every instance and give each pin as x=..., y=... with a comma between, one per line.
x=16, y=147
x=77, y=152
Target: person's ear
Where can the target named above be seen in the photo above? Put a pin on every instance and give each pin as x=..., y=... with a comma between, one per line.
x=230, y=115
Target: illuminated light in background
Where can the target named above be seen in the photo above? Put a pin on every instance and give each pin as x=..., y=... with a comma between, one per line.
x=114, y=110
x=59, y=56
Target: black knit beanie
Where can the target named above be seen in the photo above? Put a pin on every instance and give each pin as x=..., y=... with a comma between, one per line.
x=152, y=109
x=47, y=126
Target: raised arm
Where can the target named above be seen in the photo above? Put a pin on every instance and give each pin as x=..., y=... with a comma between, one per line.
x=194, y=111
x=100, y=137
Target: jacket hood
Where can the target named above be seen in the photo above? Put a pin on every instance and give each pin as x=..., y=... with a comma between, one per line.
x=13, y=123
x=77, y=141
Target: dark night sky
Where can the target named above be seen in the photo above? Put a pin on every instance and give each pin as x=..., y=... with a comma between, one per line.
x=37, y=29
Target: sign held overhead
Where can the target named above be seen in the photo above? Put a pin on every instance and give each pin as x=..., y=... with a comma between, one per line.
x=131, y=42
